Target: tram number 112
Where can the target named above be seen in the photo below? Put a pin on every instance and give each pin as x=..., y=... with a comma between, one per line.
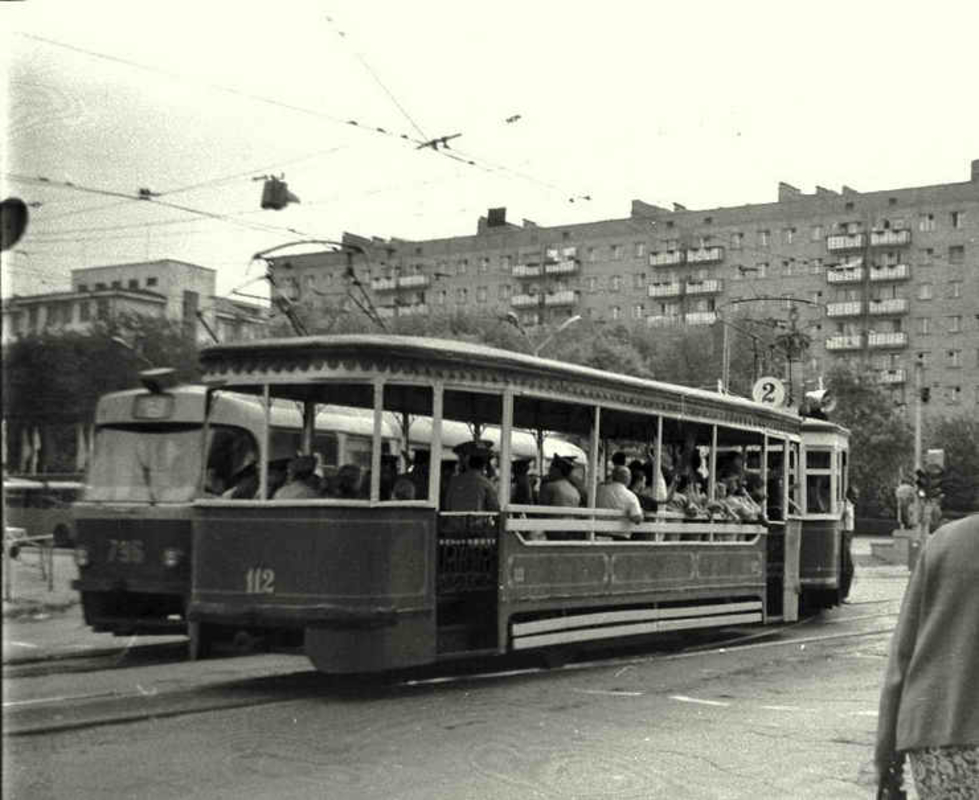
x=260, y=580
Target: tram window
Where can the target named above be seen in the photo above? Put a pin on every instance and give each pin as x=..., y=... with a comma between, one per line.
x=231, y=460
x=774, y=490
x=818, y=459
x=408, y=413
x=818, y=494
x=469, y=417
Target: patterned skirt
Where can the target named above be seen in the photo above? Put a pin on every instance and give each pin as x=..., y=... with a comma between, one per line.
x=949, y=773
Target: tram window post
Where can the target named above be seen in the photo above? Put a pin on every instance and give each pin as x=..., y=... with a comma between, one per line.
x=263, y=462
x=764, y=472
x=435, y=446
x=506, y=432
x=712, y=473
x=377, y=439
x=309, y=426
x=658, y=458
x=593, y=449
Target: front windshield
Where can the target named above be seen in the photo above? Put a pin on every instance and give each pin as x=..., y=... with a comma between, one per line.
x=161, y=464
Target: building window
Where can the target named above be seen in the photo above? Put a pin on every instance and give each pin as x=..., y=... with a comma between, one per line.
x=816, y=266
x=924, y=326
x=117, y=284
x=816, y=233
x=764, y=237
x=788, y=234
x=737, y=241
x=507, y=262
x=102, y=308
x=441, y=297
x=616, y=252
x=481, y=294
x=924, y=291
x=958, y=219
x=463, y=266
x=84, y=311
x=761, y=269
x=149, y=282
x=924, y=357
x=484, y=264
x=955, y=289
x=592, y=254
x=504, y=291
x=83, y=287
x=615, y=284
x=637, y=311
x=953, y=395
x=953, y=359
x=956, y=254
x=848, y=206
x=926, y=222
x=638, y=280
x=462, y=295
x=133, y=283
x=592, y=284
x=955, y=324
x=100, y=286
x=616, y=312
x=640, y=250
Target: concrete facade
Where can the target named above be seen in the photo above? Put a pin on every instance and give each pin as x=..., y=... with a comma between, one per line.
x=884, y=279
x=175, y=290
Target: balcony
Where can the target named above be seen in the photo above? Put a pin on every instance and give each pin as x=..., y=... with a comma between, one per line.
x=891, y=305
x=891, y=272
x=712, y=286
x=663, y=321
x=850, y=308
x=383, y=284
x=844, y=241
x=700, y=318
x=526, y=271
x=888, y=339
x=413, y=310
x=567, y=297
x=845, y=341
x=414, y=282
x=705, y=255
x=571, y=251
x=566, y=267
x=524, y=300
x=890, y=238
x=892, y=376
x=668, y=258
x=664, y=289
x=844, y=274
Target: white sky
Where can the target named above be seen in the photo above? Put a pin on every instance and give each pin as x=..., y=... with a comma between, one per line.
x=707, y=104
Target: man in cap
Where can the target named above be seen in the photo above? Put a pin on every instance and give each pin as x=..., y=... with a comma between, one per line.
x=522, y=490
x=559, y=490
x=471, y=490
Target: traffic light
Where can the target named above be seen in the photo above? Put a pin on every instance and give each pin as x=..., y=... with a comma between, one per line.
x=936, y=477
x=276, y=194
x=925, y=394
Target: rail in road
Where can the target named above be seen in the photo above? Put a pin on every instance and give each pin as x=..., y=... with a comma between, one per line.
x=224, y=684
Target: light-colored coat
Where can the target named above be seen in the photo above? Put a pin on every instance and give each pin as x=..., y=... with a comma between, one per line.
x=930, y=695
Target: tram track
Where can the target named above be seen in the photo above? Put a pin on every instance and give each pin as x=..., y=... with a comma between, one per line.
x=72, y=712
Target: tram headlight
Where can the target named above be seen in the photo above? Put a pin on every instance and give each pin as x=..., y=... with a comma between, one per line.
x=172, y=556
x=81, y=555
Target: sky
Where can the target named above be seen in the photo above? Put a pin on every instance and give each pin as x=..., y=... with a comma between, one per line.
x=706, y=104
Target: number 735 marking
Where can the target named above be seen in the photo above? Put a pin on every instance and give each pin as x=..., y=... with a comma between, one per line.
x=260, y=580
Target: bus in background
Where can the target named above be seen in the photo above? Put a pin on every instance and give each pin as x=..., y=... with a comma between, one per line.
x=41, y=507
x=379, y=582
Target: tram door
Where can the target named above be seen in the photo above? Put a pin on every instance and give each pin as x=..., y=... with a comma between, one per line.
x=468, y=531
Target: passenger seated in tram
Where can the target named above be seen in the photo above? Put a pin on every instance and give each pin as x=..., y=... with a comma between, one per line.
x=558, y=490
x=302, y=482
x=350, y=480
x=420, y=468
x=639, y=484
x=472, y=490
x=521, y=488
x=389, y=474
x=616, y=493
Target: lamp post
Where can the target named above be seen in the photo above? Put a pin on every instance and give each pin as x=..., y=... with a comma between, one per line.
x=124, y=344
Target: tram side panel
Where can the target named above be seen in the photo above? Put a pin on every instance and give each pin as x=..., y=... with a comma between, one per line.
x=360, y=583
x=564, y=593
x=820, y=561
x=133, y=567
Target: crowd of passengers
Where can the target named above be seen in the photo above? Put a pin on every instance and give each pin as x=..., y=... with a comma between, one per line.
x=471, y=483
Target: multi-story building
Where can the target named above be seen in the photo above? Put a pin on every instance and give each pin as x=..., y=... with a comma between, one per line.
x=886, y=279
x=170, y=289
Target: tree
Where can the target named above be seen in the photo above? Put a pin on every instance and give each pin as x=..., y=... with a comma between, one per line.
x=881, y=441
x=959, y=438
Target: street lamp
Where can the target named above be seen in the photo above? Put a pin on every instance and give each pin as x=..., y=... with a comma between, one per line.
x=123, y=343
x=563, y=326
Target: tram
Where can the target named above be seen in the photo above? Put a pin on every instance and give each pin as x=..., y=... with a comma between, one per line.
x=380, y=582
x=151, y=459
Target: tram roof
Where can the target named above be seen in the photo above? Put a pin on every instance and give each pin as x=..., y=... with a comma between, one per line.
x=312, y=359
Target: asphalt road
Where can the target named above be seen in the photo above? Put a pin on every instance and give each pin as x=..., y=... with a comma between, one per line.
x=785, y=717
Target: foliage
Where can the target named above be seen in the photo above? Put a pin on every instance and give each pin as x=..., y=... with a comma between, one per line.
x=959, y=438
x=881, y=441
x=52, y=381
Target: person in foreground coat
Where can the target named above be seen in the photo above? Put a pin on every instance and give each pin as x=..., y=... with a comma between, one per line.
x=929, y=702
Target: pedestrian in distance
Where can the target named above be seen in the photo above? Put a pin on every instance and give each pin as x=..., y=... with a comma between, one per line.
x=929, y=702
x=849, y=526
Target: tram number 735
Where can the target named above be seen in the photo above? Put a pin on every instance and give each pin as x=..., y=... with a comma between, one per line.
x=260, y=580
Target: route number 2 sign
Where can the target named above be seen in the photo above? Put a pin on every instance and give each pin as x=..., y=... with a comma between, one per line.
x=768, y=390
